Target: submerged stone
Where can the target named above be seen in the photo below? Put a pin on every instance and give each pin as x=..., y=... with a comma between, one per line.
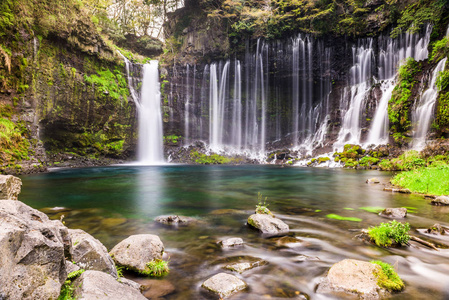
x=231, y=243
x=136, y=251
x=373, y=180
x=396, y=213
x=175, y=220
x=224, y=285
x=243, y=266
x=267, y=224
x=288, y=241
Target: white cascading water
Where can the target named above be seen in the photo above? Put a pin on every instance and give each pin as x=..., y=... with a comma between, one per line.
x=422, y=115
x=359, y=76
x=150, y=146
x=187, y=107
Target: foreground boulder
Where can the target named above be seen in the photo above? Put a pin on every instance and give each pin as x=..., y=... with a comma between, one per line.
x=90, y=254
x=9, y=187
x=136, y=251
x=32, y=253
x=441, y=200
x=224, y=285
x=268, y=224
x=395, y=213
x=101, y=286
x=353, y=277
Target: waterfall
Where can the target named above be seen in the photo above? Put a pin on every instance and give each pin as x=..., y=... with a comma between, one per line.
x=128, y=67
x=422, y=115
x=359, y=75
x=187, y=107
x=150, y=148
x=237, y=108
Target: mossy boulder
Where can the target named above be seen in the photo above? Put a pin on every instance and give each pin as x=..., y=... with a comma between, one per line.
x=267, y=224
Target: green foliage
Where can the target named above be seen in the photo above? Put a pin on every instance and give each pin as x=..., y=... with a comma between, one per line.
x=386, y=233
x=110, y=83
x=262, y=206
x=120, y=270
x=431, y=180
x=156, y=268
x=417, y=14
x=440, y=49
x=443, y=80
x=388, y=278
x=337, y=217
x=408, y=160
x=205, y=159
x=67, y=288
x=13, y=144
x=442, y=114
x=400, y=102
x=367, y=161
x=172, y=139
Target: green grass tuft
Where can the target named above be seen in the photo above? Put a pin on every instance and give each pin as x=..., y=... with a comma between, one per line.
x=156, y=268
x=372, y=209
x=386, y=233
x=388, y=278
x=432, y=180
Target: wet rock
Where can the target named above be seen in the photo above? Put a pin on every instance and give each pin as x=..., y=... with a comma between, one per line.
x=288, y=241
x=231, y=243
x=32, y=253
x=9, y=187
x=99, y=285
x=352, y=277
x=90, y=254
x=175, y=220
x=224, y=285
x=302, y=258
x=395, y=213
x=267, y=224
x=155, y=288
x=373, y=180
x=437, y=229
x=441, y=200
x=136, y=251
x=243, y=266
x=397, y=190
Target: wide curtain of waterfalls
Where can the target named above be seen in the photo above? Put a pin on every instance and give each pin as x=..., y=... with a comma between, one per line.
x=285, y=93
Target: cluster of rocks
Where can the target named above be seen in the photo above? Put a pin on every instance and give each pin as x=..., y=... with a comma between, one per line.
x=37, y=254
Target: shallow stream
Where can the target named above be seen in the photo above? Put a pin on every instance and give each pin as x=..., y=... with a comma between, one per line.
x=112, y=203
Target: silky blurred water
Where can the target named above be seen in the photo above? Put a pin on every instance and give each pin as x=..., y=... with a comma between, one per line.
x=112, y=203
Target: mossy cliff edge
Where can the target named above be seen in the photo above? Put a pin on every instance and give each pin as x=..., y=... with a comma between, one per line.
x=63, y=88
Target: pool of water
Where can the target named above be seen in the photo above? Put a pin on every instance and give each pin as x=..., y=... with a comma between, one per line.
x=112, y=203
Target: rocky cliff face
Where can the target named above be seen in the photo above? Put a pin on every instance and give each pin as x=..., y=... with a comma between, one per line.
x=64, y=89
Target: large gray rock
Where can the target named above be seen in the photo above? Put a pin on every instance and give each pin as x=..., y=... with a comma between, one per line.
x=32, y=253
x=101, y=286
x=396, y=213
x=9, y=187
x=268, y=224
x=224, y=285
x=441, y=200
x=90, y=254
x=136, y=251
x=353, y=277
